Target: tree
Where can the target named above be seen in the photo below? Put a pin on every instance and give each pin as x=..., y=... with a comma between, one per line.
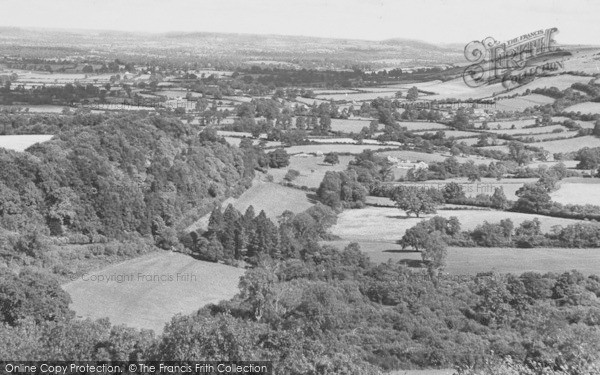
x=596, y=130
x=414, y=200
x=412, y=94
x=32, y=295
x=291, y=175
x=499, y=199
x=532, y=198
x=519, y=153
x=332, y=158
x=278, y=158
x=434, y=252
x=453, y=191
x=589, y=158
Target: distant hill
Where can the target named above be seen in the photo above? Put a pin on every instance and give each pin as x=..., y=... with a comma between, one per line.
x=308, y=52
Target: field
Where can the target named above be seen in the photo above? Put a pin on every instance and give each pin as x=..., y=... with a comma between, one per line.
x=325, y=148
x=587, y=192
x=472, y=260
x=562, y=81
x=416, y=156
x=311, y=168
x=273, y=198
x=140, y=301
x=383, y=224
x=485, y=186
x=542, y=137
x=349, y=126
x=569, y=145
x=587, y=107
x=418, y=126
x=520, y=103
x=519, y=124
x=22, y=142
x=520, y=131
x=357, y=97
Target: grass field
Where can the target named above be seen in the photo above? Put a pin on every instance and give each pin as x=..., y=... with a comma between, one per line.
x=268, y=196
x=569, y=145
x=373, y=224
x=588, y=107
x=325, y=148
x=416, y=156
x=522, y=102
x=418, y=126
x=349, y=126
x=140, y=301
x=485, y=186
x=357, y=97
x=472, y=260
x=518, y=131
x=587, y=192
x=22, y=142
x=312, y=169
x=542, y=137
x=519, y=124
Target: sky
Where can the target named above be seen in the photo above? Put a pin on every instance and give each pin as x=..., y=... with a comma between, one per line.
x=435, y=21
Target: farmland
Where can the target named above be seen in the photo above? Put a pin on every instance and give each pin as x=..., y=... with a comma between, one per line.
x=573, y=191
x=569, y=145
x=311, y=168
x=348, y=126
x=473, y=260
x=339, y=148
x=373, y=224
x=587, y=107
x=520, y=103
x=22, y=142
x=273, y=198
x=160, y=285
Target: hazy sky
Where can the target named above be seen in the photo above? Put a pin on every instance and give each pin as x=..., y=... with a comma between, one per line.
x=445, y=21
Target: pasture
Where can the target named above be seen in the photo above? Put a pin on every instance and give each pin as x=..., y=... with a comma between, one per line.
x=148, y=291
x=388, y=224
x=422, y=125
x=523, y=131
x=587, y=107
x=472, y=260
x=311, y=168
x=339, y=148
x=570, y=144
x=22, y=142
x=273, y=198
x=507, y=124
x=522, y=102
x=578, y=191
x=349, y=125
x=472, y=189
x=426, y=157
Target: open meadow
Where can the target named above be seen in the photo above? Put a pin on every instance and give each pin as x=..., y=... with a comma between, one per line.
x=152, y=289
x=472, y=260
x=22, y=142
x=273, y=198
x=522, y=102
x=578, y=191
x=349, y=125
x=587, y=107
x=339, y=148
x=388, y=224
x=311, y=168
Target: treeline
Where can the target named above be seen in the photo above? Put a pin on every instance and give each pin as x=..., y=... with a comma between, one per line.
x=528, y=234
x=333, y=312
x=232, y=237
